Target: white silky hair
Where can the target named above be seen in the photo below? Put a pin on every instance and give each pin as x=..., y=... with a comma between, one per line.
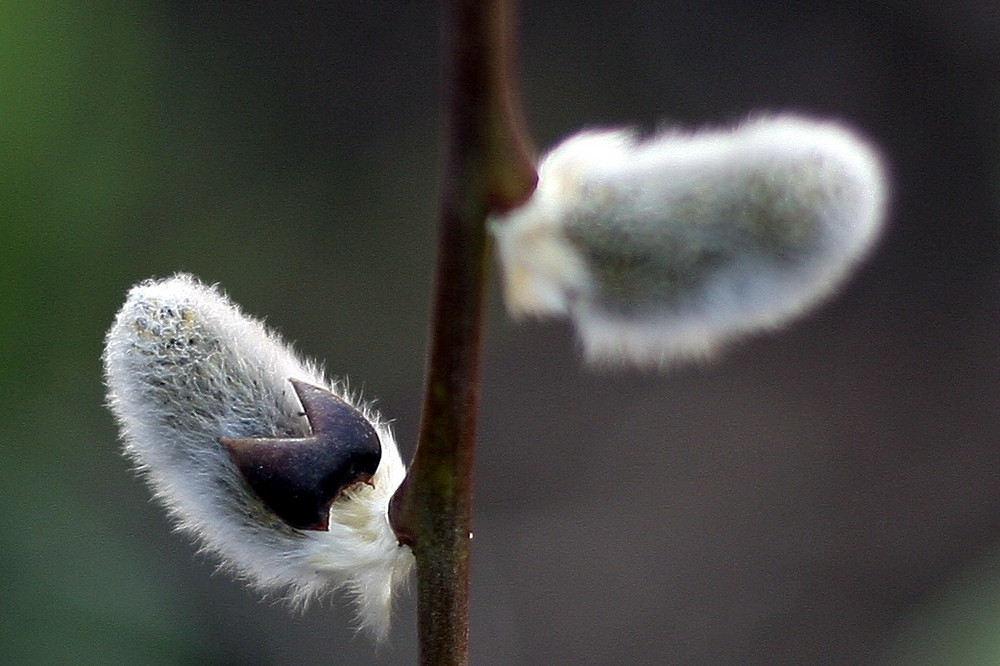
x=184, y=367
x=667, y=247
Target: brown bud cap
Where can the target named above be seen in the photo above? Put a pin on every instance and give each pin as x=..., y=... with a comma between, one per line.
x=298, y=478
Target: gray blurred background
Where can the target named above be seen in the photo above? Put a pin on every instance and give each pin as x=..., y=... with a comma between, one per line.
x=825, y=495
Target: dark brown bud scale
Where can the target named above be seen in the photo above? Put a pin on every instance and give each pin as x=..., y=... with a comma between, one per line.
x=298, y=478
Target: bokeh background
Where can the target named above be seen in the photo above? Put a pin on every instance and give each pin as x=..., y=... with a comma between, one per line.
x=825, y=495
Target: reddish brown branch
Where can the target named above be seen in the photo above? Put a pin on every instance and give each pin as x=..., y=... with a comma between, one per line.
x=488, y=168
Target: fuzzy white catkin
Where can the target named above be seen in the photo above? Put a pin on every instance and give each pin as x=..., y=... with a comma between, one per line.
x=184, y=367
x=667, y=247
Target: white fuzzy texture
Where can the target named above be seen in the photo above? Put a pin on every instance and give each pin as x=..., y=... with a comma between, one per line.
x=668, y=247
x=184, y=367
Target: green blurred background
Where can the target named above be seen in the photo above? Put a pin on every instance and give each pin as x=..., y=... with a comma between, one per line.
x=829, y=494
